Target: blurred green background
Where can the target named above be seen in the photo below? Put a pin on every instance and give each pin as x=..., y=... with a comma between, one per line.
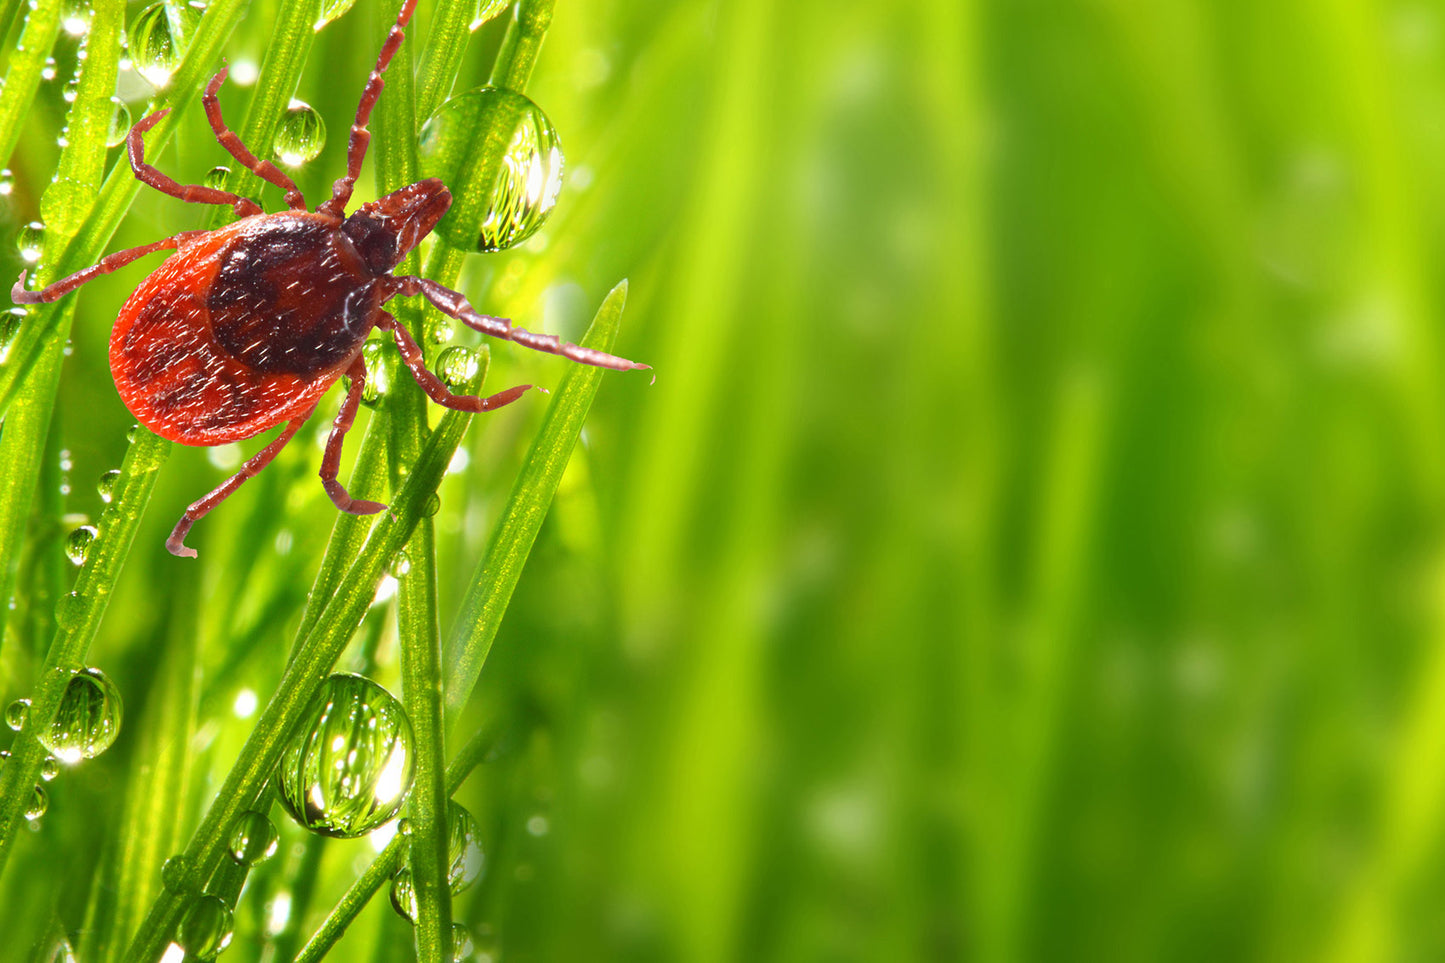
x=1032, y=547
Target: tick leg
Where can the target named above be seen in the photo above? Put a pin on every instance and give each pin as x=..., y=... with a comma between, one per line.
x=146, y=174
x=176, y=543
x=265, y=170
x=455, y=304
x=105, y=265
x=331, y=462
x=360, y=136
x=435, y=389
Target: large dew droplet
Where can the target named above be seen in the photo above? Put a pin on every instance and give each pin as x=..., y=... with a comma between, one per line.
x=462, y=945
x=494, y=207
x=216, y=177
x=205, y=929
x=87, y=720
x=159, y=36
x=254, y=838
x=464, y=861
x=78, y=542
x=119, y=127
x=300, y=135
x=458, y=365
x=349, y=767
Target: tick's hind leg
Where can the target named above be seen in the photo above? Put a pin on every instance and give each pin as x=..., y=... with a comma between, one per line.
x=265, y=170
x=455, y=304
x=146, y=174
x=435, y=389
x=331, y=462
x=176, y=543
x=105, y=265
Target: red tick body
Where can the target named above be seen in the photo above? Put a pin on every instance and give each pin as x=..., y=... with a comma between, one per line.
x=246, y=327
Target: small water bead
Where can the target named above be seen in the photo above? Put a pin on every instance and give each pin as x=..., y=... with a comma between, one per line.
x=47, y=72
x=403, y=895
x=486, y=10
x=31, y=242
x=7, y=182
x=174, y=872
x=254, y=840
x=16, y=713
x=87, y=720
x=432, y=506
x=78, y=542
x=10, y=323
x=379, y=372
x=205, y=929
x=300, y=135
x=75, y=17
x=106, y=485
x=50, y=768
x=520, y=194
x=216, y=177
x=400, y=565
x=350, y=766
x=439, y=330
x=39, y=802
x=331, y=9
x=462, y=945
x=70, y=91
x=70, y=611
x=458, y=365
x=130, y=434
x=119, y=127
x=159, y=36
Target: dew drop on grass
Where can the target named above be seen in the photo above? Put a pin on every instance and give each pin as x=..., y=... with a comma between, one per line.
x=10, y=323
x=75, y=17
x=300, y=135
x=216, y=177
x=439, y=330
x=31, y=242
x=349, y=767
x=462, y=945
x=87, y=719
x=119, y=127
x=464, y=861
x=39, y=802
x=486, y=10
x=205, y=928
x=130, y=434
x=70, y=91
x=50, y=768
x=403, y=895
x=7, y=182
x=47, y=72
x=70, y=611
x=432, y=506
x=492, y=210
x=400, y=565
x=174, y=872
x=254, y=838
x=457, y=365
x=331, y=9
x=159, y=36
x=78, y=542
x=379, y=371
x=16, y=713
x=106, y=485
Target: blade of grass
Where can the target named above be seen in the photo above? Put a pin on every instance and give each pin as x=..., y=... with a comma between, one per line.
x=37, y=39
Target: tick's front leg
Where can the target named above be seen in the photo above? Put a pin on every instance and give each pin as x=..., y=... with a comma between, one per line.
x=435, y=389
x=331, y=461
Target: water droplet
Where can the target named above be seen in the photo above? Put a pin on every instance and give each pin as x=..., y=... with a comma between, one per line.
x=75, y=17
x=216, y=177
x=78, y=543
x=10, y=323
x=349, y=767
x=39, y=802
x=400, y=565
x=70, y=91
x=520, y=194
x=403, y=826
x=432, y=506
x=70, y=611
x=87, y=720
x=458, y=365
x=403, y=895
x=47, y=72
x=464, y=861
x=462, y=945
x=159, y=36
x=486, y=10
x=16, y=713
x=7, y=182
x=379, y=371
x=205, y=929
x=50, y=768
x=130, y=433
x=174, y=873
x=254, y=839
x=106, y=485
x=331, y=9
x=300, y=135
x=31, y=242
x=119, y=123
x=439, y=330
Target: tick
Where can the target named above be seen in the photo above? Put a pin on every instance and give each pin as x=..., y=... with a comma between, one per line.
x=245, y=327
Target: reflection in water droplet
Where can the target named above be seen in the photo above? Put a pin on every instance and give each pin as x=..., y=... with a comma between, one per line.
x=31, y=242
x=462, y=945
x=439, y=330
x=131, y=432
x=403, y=895
x=70, y=91
x=50, y=768
x=464, y=861
x=349, y=767
x=16, y=713
x=75, y=17
x=119, y=123
x=486, y=10
x=87, y=720
x=457, y=365
x=78, y=542
x=254, y=839
x=300, y=135
x=10, y=323
x=39, y=802
x=379, y=371
x=216, y=177
x=432, y=506
x=106, y=485
x=400, y=565
x=159, y=36
x=518, y=196
x=331, y=9
x=205, y=929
